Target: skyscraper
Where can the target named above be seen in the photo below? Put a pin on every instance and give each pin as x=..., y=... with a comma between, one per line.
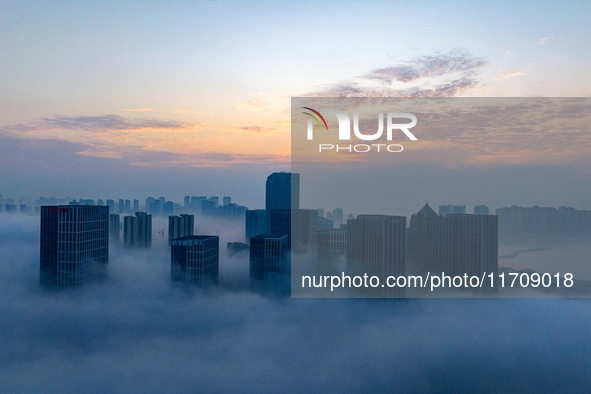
x=114, y=227
x=180, y=226
x=282, y=192
x=337, y=217
x=74, y=244
x=256, y=223
x=195, y=259
x=376, y=246
x=455, y=244
x=268, y=258
x=137, y=230
x=480, y=210
x=300, y=225
x=332, y=248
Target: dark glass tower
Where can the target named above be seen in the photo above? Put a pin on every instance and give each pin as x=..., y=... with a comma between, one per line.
x=74, y=244
x=282, y=192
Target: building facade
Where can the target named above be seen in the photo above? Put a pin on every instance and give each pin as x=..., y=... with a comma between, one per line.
x=195, y=259
x=74, y=245
x=180, y=226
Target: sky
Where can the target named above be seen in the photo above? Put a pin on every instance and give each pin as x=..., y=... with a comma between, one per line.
x=153, y=90
x=137, y=98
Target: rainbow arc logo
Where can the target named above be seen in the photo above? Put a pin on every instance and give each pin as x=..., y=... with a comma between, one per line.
x=316, y=117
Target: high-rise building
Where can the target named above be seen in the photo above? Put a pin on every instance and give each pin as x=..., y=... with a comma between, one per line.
x=466, y=244
x=337, y=217
x=114, y=227
x=458, y=209
x=445, y=210
x=111, y=205
x=136, y=205
x=227, y=200
x=195, y=259
x=282, y=192
x=268, y=258
x=180, y=226
x=187, y=202
x=420, y=242
x=332, y=248
x=137, y=230
x=127, y=206
x=455, y=244
x=74, y=244
x=300, y=225
x=256, y=223
x=480, y=210
x=121, y=206
x=168, y=208
x=376, y=247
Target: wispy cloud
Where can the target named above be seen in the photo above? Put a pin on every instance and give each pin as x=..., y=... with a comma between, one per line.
x=507, y=75
x=140, y=109
x=438, y=75
x=544, y=40
x=258, y=129
x=102, y=123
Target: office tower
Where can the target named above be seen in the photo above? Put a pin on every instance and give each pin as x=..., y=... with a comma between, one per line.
x=215, y=200
x=207, y=207
x=329, y=216
x=136, y=205
x=268, y=258
x=282, y=192
x=256, y=223
x=458, y=209
x=332, y=248
x=300, y=225
x=321, y=212
x=420, y=242
x=376, y=247
x=187, y=202
x=480, y=210
x=121, y=206
x=195, y=259
x=74, y=245
x=466, y=244
x=127, y=206
x=137, y=230
x=445, y=210
x=180, y=226
x=111, y=205
x=456, y=244
x=337, y=217
x=130, y=236
x=168, y=208
x=227, y=200
x=114, y=227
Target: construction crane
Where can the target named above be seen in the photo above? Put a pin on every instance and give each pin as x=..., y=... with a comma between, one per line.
x=161, y=232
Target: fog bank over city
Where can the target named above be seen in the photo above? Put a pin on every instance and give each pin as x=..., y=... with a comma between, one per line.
x=136, y=330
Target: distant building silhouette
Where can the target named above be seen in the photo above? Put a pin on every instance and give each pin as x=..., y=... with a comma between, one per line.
x=520, y=223
x=137, y=230
x=180, y=226
x=300, y=225
x=337, y=217
x=481, y=210
x=331, y=248
x=445, y=210
x=74, y=244
x=195, y=259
